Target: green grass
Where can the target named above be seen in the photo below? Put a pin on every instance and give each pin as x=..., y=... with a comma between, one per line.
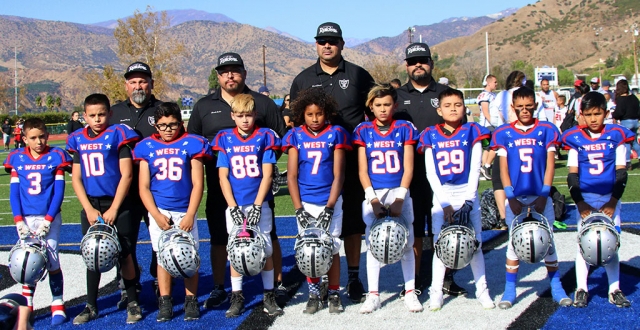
x=71, y=207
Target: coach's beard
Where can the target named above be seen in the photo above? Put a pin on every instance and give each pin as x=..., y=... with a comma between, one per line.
x=139, y=96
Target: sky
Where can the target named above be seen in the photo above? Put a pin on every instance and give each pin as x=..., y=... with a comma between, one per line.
x=358, y=18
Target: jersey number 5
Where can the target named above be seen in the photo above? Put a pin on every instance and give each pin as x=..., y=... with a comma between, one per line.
x=596, y=159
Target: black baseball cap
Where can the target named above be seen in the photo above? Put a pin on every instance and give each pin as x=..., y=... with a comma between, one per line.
x=417, y=49
x=329, y=29
x=138, y=67
x=229, y=59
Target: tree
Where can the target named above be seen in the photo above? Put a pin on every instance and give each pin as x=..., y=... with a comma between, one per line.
x=213, y=79
x=383, y=71
x=58, y=102
x=108, y=82
x=38, y=101
x=144, y=37
x=49, y=102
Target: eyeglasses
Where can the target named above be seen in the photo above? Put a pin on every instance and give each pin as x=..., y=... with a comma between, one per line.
x=231, y=71
x=529, y=108
x=416, y=60
x=330, y=41
x=164, y=127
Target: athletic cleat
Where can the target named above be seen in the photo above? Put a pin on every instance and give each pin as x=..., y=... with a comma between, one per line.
x=237, y=305
x=371, y=304
x=617, y=298
x=269, y=304
x=435, y=300
x=191, y=308
x=89, y=313
x=355, y=291
x=124, y=300
x=324, y=289
x=502, y=225
x=134, y=313
x=486, y=172
x=580, y=298
x=508, y=297
x=216, y=298
x=560, y=296
x=282, y=296
x=450, y=287
x=313, y=305
x=413, y=304
x=485, y=299
x=165, y=309
x=403, y=292
x=335, y=304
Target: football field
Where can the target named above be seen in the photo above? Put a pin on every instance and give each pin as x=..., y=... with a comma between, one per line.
x=534, y=308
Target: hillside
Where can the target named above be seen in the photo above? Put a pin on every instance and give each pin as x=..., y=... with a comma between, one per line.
x=574, y=34
x=178, y=17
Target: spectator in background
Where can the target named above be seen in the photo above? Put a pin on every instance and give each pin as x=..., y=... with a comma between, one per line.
x=6, y=134
x=606, y=86
x=628, y=113
x=395, y=83
x=74, y=123
x=285, y=109
x=581, y=90
x=264, y=91
x=595, y=85
x=444, y=81
x=17, y=134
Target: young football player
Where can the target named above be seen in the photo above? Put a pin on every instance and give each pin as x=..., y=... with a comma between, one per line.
x=246, y=155
x=453, y=154
x=37, y=191
x=526, y=148
x=561, y=110
x=171, y=164
x=485, y=98
x=597, y=179
x=315, y=175
x=385, y=161
x=101, y=177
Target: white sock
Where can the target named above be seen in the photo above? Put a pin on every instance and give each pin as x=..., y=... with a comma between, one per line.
x=582, y=272
x=408, y=263
x=267, y=279
x=613, y=273
x=438, y=270
x=477, y=268
x=236, y=283
x=373, y=272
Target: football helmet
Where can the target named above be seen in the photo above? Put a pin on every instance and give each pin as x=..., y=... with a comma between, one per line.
x=314, y=250
x=177, y=253
x=456, y=245
x=247, y=253
x=530, y=236
x=388, y=239
x=28, y=260
x=100, y=247
x=598, y=239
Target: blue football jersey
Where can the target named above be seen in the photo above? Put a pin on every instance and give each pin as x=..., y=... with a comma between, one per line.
x=170, y=167
x=244, y=159
x=99, y=157
x=385, y=151
x=36, y=179
x=526, y=154
x=597, y=156
x=452, y=153
x=315, y=159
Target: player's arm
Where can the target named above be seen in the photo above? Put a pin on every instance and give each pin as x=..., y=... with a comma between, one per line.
x=401, y=192
x=484, y=107
x=541, y=202
x=514, y=204
x=474, y=169
x=292, y=177
x=436, y=185
x=369, y=193
x=225, y=185
x=339, y=165
x=58, y=195
x=81, y=193
x=197, y=182
x=16, y=204
x=144, y=182
x=265, y=183
x=125, y=165
x=620, y=184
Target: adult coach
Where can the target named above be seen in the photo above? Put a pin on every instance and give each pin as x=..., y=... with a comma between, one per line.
x=348, y=84
x=137, y=112
x=417, y=102
x=74, y=123
x=211, y=114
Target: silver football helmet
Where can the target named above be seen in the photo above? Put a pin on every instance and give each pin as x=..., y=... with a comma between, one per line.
x=531, y=236
x=388, y=239
x=246, y=249
x=28, y=260
x=177, y=253
x=598, y=239
x=456, y=245
x=314, y=250
x=100, y=247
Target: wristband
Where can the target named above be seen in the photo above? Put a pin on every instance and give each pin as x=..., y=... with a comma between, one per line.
x=370, y=194
x=546, y=189
x=509, y=192
x=401, y=192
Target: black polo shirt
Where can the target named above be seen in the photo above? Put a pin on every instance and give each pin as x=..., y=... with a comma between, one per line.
x=349, y=86
x=212, y=113
x=419, y=107
x=140, y=119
